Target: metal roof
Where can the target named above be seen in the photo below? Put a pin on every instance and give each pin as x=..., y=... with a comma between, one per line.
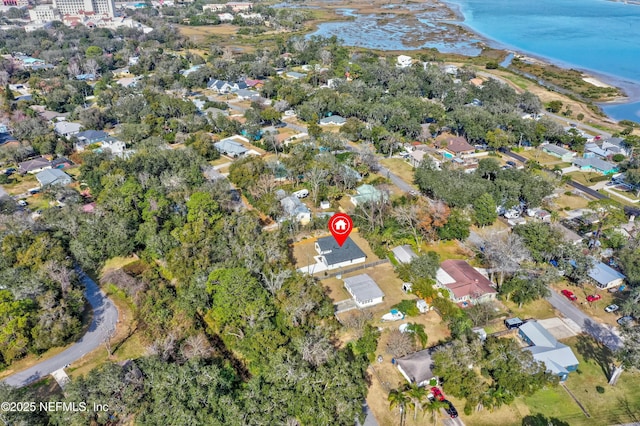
x=404, y=254
x=604, y=274
x=363, y=288
x=555, y=355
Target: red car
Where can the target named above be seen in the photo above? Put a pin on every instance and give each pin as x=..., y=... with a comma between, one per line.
x=437, y=393
x=593, y=297
x=569, y=295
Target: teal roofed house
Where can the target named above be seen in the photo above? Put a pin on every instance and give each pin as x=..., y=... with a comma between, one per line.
x=368, y=194
x=557, y=357
x=595, y=164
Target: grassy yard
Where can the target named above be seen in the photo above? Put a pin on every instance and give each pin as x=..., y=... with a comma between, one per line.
x=400, y=168
x=583, y=177
x=571, y=201
x=540, y=156
x=448, y=250
x=539, y=309
x=21, y=184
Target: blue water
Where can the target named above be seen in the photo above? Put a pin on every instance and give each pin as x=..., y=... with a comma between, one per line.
x=595, y=35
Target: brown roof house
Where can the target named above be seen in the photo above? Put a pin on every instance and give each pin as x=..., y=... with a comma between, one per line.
x=464, y=283
x=454, y=145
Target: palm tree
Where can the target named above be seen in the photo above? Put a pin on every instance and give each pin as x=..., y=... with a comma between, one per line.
x=433, y=406
x=417, y=395
x=397, y=398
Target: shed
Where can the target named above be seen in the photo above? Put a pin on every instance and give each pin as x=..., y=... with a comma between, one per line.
x=512, y=323
x=404, y=254
x=364, y=290
x=422, y=306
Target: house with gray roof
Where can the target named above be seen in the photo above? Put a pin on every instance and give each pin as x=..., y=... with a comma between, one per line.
x=34, y=165
x=595, y=164
x=295, y=75
x=417, y=367
x=605, y=276
x=53, y=177
x=368, y=194
x=67, y=128
x=332, y=256
x=404, y=254
x=332, y=120
x=294, y=209
x=559, y=152
x=364, y=290
x=557, y=357
x=230, y=147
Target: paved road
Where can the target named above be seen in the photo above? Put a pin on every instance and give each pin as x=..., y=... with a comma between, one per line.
x=605, y=334
x=573, y=183
x=105, y=317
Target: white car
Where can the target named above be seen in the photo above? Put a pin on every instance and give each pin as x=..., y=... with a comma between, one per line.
x=611, y=308
x=512, y=214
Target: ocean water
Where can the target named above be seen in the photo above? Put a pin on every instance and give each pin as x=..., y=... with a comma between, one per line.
x=594, y=35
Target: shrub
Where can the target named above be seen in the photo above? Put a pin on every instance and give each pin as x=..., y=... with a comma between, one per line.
x=599, y=178
x=408, y=307
x=599, y=389
x=568, y=193
x=618, y=158
x=491, y=65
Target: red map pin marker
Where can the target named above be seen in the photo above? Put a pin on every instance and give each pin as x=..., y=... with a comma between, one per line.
x=340, y=226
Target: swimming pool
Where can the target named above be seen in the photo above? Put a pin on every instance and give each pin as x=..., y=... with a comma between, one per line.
x=447, y=155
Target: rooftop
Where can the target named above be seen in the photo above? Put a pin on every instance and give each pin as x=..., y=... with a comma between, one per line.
x=404, y=254
x=558, y=150
x=363, y=288
x=455, y=144
x=463, y=279
x=604, y=274
x=335, y=254
x=417, y=366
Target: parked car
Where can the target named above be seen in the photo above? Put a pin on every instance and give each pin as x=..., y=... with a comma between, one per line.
x=625, y=320
x=22, y=203
x=569, y=294
x=450, y=409
x=280, y=125
x=593, y=297
x=511, y=163
x=437, y=393
x=611, y=308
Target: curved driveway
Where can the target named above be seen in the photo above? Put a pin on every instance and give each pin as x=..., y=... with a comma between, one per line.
x=105, y=317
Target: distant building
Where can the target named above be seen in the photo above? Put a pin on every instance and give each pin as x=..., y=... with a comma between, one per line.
x=464, y=282
x=557, y=357
x=239, y=6
x=333, y=120
x=76, y=7
x=225, y=17
x=404, y=61
x=454, y=145
x=44, y=13
x=295, y=209
x=368, y=194
x=230, y=147
x=214, y=7
x=364, y=290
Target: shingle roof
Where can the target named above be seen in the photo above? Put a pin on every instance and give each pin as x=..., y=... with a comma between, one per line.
x=463, y=279
x=417, y=365
x=33, y=164
x=230, y=146
x=363, y=288
x=337, y=254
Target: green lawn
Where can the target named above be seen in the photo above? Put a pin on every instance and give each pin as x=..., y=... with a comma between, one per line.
x=583, y=177
x=400, y=168
x=616, y=405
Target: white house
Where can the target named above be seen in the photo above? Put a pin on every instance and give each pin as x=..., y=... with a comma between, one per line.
x=404, y=61
x=334, y=256
x=364, y=290
x=67, y=128
x=464, y=282
x=606, y=277
x=295, y=209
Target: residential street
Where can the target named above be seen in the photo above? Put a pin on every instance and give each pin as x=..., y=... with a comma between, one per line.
x=105, y=317
x=605, y=334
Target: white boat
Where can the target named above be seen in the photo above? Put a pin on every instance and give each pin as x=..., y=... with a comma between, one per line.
x=394, y=315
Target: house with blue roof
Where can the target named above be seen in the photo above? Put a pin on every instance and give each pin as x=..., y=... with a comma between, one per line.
x=595, y=164
x=605, y=276
x=557, y=357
